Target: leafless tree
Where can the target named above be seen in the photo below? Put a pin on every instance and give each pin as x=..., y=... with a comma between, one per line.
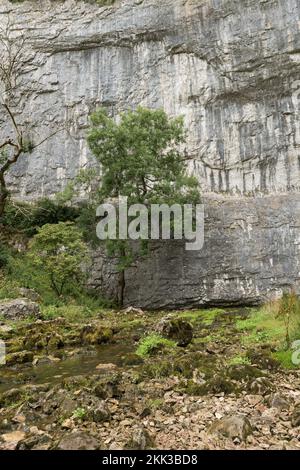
x=13, y=53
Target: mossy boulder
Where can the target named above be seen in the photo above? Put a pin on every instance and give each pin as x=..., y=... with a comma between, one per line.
x=217, y=384
x=95, y=334
x=242, y=372
x=263, y=358
x=176, y=330
x=21, y=357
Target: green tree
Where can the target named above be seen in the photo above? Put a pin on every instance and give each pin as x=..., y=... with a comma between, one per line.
x=60, y=251
x=141, y=158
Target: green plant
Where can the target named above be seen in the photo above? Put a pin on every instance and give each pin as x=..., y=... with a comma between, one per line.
x=289, y=312
x=152, y=344
x=60, y=251
x=27, y=218
x=79, y=413
x=285, y=359
x=239, y=360
x=4, y=255
x=205, y=317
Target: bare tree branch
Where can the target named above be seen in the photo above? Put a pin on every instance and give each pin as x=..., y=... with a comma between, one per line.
x=12, y=63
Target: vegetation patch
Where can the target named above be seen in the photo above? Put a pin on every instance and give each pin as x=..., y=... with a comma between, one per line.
x=153, y=344
x=205, y=317
x=276, y=324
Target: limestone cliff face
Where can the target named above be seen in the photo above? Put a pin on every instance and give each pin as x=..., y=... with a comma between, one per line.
x=231, y=67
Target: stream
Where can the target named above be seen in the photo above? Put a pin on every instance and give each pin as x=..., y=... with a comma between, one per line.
x=83, y=362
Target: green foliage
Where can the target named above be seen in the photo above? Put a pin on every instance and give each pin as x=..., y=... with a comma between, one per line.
x=205, y=317
x=140, y=157
x=285, y=359
x=72, y=312
x=237, y=360
x=4, y=255
x=152, y=344
x=79, y=413
x=59, y=250
x=277, y=323
x=27, y=218
x=289, y=312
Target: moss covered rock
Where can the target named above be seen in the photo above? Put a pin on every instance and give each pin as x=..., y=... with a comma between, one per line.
x=176, y=330
x=95, y=334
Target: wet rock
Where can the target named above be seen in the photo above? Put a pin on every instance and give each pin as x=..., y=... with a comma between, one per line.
x=140, y=440
x=295, y=418
x=101, y=413
x=21, y=357
x=95, y=334
x=18, y=309
x=78, y=441
x=55, y=341
x=5, y=425
x=175, y=329
x=233, y=427
x=40, y=360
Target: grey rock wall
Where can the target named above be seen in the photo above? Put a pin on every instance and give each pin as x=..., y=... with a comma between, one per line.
x=231, y=67
x=251, y=254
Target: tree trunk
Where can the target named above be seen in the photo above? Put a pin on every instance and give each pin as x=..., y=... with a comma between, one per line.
x=121, y=287
x=3, y=195
x=122, y=279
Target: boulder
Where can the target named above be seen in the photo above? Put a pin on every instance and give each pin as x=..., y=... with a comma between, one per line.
x=233, y=427
x=261, y=386
x=295, y=420
x=140, y=440
x=29, y=294
x=278, y=401
x=101, y=413
x=95, y=334
x=22, y=357
x=175, y=329
x=78, y=441
x=18, y=309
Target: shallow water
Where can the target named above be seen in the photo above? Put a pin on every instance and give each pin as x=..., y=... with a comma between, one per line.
x=82, y=363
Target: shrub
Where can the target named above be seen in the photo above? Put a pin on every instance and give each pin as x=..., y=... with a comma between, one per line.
x=27, y=218
x=60, y=251
x=4, y=255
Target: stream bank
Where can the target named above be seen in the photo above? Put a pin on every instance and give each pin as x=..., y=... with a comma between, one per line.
x=71, y=385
